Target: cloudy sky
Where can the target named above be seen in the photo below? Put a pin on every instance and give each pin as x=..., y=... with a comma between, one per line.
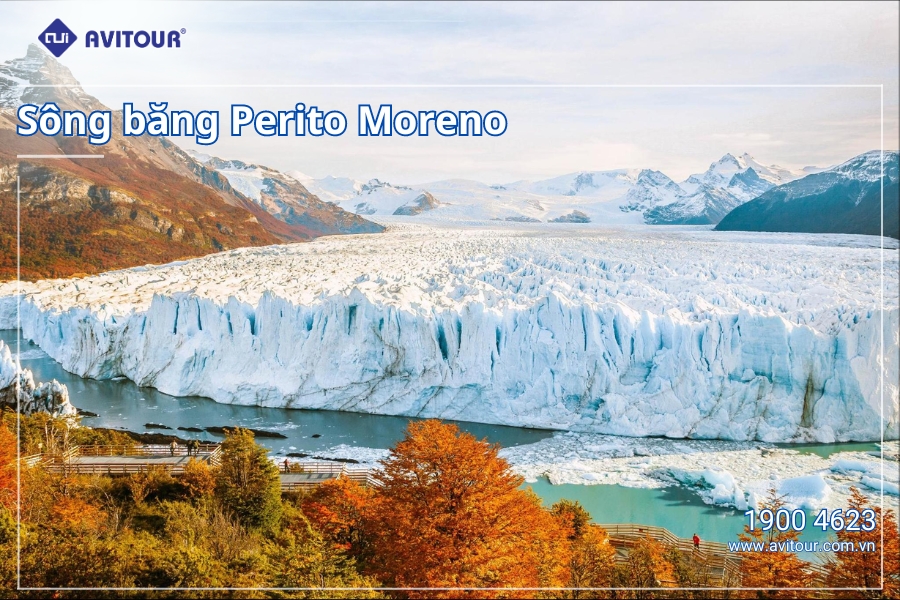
x=541, y=64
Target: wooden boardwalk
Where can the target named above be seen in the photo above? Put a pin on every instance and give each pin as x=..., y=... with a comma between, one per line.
x=716, y=563
x=123, y=460
x=306, y=475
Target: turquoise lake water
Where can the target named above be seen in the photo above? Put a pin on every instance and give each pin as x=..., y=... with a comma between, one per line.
x=675, y=508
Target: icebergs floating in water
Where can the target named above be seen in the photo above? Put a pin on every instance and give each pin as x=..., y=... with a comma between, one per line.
x=728, y=474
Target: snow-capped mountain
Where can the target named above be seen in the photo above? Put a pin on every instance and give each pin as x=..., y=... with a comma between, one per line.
x=774, y=173
x=727, y=183
x=601, y=185
x=373, y=197
x=19, y=76
x=844, y=199
x=285, y=198
x=424, y=202
x=614, y=197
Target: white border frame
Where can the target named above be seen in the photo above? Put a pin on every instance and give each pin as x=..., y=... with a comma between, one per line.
x=880, y=87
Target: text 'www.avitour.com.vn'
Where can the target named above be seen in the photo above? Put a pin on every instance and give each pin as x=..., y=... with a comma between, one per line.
x=792, y=546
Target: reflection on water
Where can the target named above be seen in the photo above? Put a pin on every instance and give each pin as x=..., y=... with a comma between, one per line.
x=124, y=405
x=826, y=450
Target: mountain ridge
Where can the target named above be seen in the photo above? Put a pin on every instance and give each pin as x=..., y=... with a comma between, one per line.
x=846, y=198
x=145, y=201
x=611, y=196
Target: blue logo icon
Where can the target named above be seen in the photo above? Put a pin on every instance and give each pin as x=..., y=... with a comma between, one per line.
x=57, y=38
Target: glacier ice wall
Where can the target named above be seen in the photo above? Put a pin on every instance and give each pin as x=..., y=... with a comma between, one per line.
x=18, y=390
x=546, y=354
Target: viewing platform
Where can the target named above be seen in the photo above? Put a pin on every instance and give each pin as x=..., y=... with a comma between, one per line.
x=306, y=475
x=123, y=460
x=719, y=566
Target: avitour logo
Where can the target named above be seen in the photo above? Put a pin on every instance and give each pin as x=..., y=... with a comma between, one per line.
x=57, y=38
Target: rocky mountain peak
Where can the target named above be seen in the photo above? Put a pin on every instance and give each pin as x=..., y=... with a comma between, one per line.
x=39, y=68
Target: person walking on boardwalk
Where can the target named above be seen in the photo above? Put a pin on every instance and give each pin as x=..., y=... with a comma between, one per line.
x=194, y=447
x=696, y=539
x=172, y=447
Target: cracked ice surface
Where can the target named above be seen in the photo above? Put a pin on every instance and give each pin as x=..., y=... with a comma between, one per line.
x=642, y=331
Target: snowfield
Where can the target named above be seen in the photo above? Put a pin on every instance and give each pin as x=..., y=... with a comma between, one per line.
x=635, y=331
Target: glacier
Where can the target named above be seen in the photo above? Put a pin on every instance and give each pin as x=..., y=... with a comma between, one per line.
x=18, y=389
x=635, y=331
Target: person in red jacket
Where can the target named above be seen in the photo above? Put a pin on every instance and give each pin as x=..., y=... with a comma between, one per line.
x=696, y=539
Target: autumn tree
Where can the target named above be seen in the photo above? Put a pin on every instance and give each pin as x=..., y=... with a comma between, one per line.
x=773, y=568
x=8, y=544
x=590, y=558
x=339, y=510
x=694, y=570
x=97, y=532
x=592, y=563
x=647, y=566
x=197, y=479
x=7, y=512
x=451, y=515
x=8, y=457
x=857, y=569
x=247, y=482
x=571, y=515
x=302, y=558
x=549, y=546
x=147, y=482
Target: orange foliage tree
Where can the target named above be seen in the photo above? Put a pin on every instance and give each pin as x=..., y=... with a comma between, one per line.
x=7, y=467
x=77, y=513
x=858, y=569
x=773, y=569
x=451, y=515
x=592, y=563
x=197, y=479
x=591, y=558
x=338, y=509
x=646, y=567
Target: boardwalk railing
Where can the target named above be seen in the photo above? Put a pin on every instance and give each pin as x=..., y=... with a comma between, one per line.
x=126, y=459
x=215, y=456
x=33, y=459
x=321, y=472
x=142, y=450
x=722, y=565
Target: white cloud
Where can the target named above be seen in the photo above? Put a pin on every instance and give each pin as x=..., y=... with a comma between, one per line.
x=551, y=131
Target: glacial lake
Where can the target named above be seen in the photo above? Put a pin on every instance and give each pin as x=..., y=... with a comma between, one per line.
x=120, y=404
x=677, y=509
